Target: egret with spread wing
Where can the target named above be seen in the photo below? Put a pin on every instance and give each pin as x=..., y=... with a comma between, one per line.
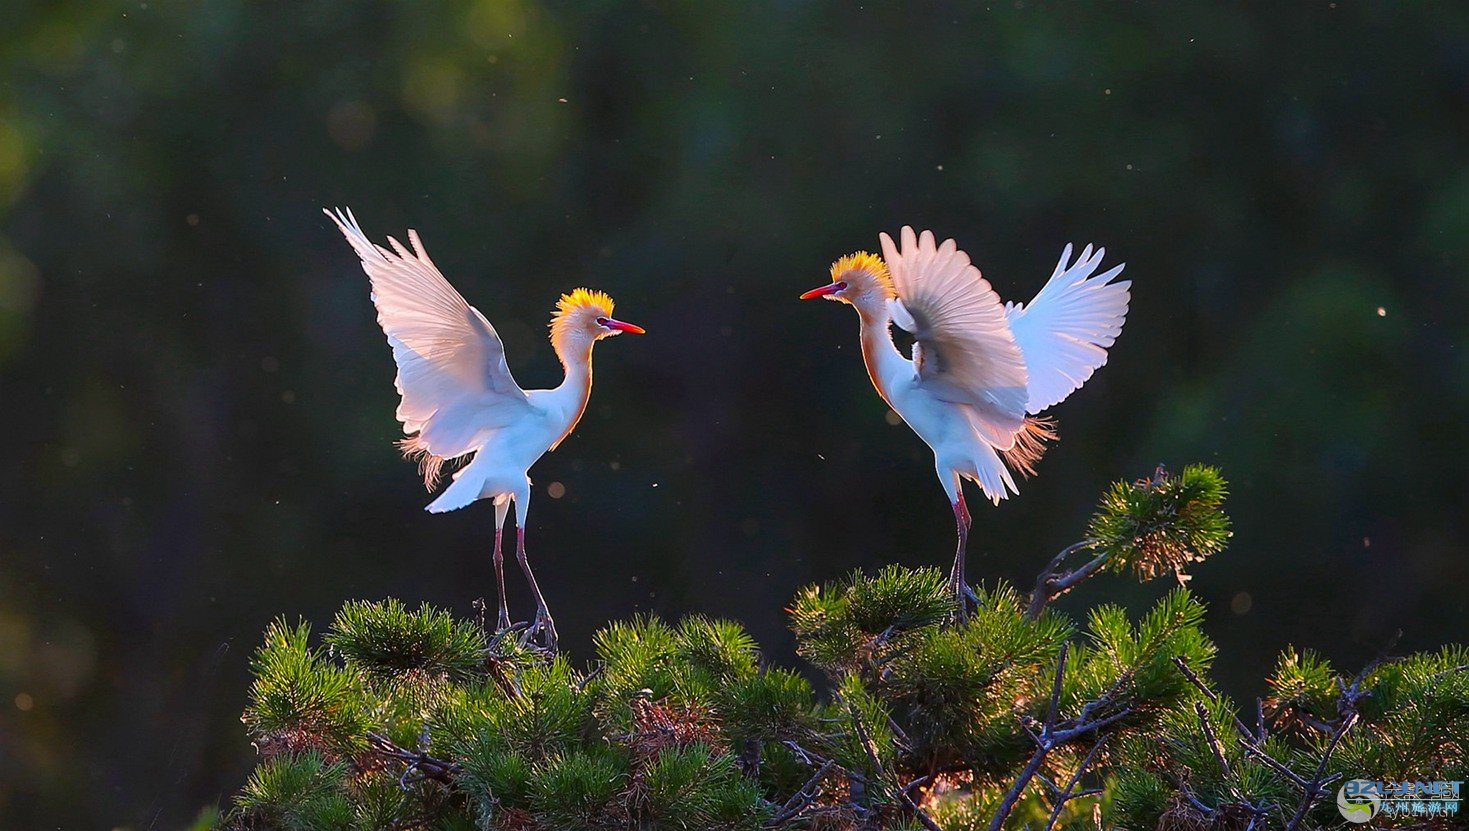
x=981, y=372
x=459, y=398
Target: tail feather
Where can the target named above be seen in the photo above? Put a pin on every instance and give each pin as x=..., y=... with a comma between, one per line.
x=1030, y=445
x=463, y=491
x=430, y=465
x=991, y=474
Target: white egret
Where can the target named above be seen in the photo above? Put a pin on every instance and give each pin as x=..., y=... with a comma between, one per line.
x=459, y=398
x=981, y=372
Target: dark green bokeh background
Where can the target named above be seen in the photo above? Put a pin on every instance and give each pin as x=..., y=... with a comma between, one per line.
x=198, y=405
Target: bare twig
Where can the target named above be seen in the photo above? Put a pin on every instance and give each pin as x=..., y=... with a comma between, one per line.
x=1051, y=583
x=1449, y=671
x=1213, y=696
x=1315, y=787
x=420, y=765
x=1056, y=684
x=923, y=818
x=1272, y=763
x=1052, y=734
x=917, y=783
x=1069, y=792
x=1183, y=791
x=806, y=756
x=581, y=684
x=1247, y=739
x=1347, y=706
x=865, y=739
x=899, y=734
x=1213, y=740
x=1013, y=795
x=802, y=798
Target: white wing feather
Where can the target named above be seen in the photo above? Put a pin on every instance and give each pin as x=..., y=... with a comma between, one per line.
x=452, y=375
x=964, y=352
x=1065, y=331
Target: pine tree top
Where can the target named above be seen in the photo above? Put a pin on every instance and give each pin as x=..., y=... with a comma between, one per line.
x=1015, y=716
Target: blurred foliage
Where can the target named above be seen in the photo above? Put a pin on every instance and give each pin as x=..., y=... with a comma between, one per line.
x=199, y=404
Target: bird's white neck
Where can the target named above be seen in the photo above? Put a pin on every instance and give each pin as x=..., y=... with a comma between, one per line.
x=881, y=356
x=576, y=387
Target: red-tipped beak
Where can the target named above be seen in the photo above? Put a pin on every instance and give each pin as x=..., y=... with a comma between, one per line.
x=625, y=327
x=829, y=288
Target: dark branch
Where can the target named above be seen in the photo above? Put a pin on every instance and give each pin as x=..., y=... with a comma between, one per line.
x=419, y=765
x=865, y=739
x=1213, y=740
x=1347, y=704
x=1051, y=583
x=1069, y=792
x=802, y=798
x=1051, y=735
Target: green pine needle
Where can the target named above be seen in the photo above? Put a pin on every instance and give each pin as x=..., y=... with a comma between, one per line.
x=390, y=644
x=301, y=701
x=1162, y=525
x=684, y=727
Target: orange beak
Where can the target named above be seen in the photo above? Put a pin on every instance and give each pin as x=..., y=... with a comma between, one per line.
x=829, y=288
x=625, y=327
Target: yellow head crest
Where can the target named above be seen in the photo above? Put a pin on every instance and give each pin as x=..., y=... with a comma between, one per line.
x=576, y=311
x=579, y=298
x=860, y=266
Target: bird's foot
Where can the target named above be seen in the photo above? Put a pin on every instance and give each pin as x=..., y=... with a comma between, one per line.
x=963, y=596
x=961, y=608
x=502, y=622
x=543, y=630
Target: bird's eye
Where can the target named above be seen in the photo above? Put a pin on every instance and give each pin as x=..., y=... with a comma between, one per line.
x=601, y=321
x=841, y=285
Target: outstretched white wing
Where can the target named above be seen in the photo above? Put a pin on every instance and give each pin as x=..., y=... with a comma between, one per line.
x=1065, y=331
x=452, y=373
x=963, y=351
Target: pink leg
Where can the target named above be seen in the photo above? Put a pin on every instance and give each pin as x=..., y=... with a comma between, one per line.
x=957, y=583
x=503, y=622
x=543, y=624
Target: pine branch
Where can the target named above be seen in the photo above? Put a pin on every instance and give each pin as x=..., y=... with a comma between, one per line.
x=1250, y=742
x=1051, y=583
x=422, y=764
x=1347, y=707
x=1053, y=733
x=865, y=739
x=686, y=726
x=1069, y=792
